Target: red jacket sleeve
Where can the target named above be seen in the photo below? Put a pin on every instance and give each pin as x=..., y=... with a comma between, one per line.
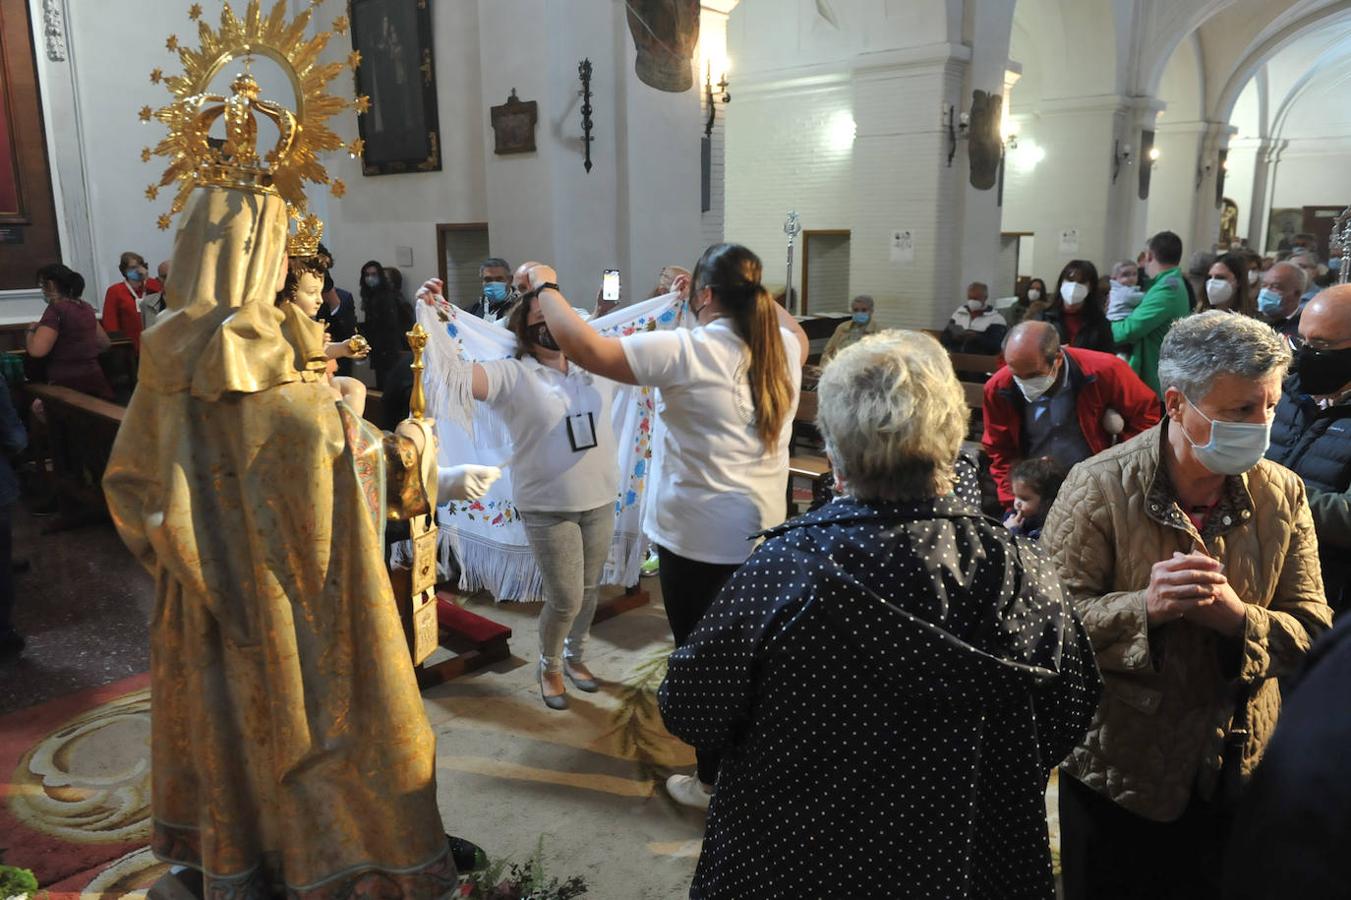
x=111, y=312
x=120, y=313
x=1135, y=400
x=1000, y=439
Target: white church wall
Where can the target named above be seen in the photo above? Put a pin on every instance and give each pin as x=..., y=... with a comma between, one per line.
x=787, y=149
x=381, y=213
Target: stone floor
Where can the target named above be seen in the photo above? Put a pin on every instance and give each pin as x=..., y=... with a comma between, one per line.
x=580, y=786
x=83, y=605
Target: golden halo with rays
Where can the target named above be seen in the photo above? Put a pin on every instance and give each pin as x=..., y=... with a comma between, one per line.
x=194, y=160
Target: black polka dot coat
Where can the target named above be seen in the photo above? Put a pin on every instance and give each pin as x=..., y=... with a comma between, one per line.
x=890, y=686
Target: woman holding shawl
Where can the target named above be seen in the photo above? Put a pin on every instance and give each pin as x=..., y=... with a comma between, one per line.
x=728, y=392
x=564, y=482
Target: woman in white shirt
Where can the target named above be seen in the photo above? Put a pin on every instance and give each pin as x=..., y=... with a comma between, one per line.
x=565, y=480
x=728, y=393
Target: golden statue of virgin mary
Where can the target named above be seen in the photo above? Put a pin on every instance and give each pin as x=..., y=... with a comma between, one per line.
x=290, y=748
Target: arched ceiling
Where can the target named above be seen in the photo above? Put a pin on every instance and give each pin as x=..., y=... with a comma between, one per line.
x=1304, y=81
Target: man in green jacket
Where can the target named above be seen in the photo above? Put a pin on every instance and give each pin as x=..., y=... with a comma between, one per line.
x=1164, y=302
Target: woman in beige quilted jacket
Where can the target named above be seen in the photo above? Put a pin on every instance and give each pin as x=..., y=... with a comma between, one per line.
x=1193, y=563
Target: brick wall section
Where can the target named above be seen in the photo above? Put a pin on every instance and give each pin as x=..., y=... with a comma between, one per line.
x=785, y=151
x=779, y=157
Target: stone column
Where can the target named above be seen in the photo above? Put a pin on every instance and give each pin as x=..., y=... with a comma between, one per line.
x=902, y=181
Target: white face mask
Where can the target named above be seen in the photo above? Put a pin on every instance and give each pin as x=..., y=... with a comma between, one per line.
x=1219, y=291
x=1035, y=388
x=975, y=306
x=1254, y=277
x=1034, y=295
x=1073, y=294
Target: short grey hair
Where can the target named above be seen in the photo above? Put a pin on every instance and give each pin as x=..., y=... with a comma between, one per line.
x=866, y=300
x=1200, y=348
x=1300, y=275
x=1123, y=266
x=893, y=416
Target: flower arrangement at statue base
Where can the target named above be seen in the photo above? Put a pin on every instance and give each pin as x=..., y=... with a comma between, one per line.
x=17, y=882
x=505, y=880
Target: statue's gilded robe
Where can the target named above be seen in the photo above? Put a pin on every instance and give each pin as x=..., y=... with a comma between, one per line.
x=289, y=743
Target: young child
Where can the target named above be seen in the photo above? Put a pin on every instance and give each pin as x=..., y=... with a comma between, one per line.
x=1035, y=485
x=1125, y=293
x=304, y=288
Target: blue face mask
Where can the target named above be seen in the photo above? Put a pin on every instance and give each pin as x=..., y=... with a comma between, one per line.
x=1269, y=302
x=495, y=291
x=862, y=318
x=1233, y=448
x=134, y=275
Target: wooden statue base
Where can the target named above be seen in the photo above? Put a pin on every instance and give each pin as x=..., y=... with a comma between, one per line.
x=179, y=883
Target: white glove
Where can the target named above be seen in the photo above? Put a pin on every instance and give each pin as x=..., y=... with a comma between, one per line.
x=467, y=482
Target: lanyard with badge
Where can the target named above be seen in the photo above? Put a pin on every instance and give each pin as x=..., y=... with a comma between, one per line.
x=581, y=425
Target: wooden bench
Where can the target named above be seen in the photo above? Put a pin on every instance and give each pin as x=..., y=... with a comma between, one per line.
x=976, y=366
x=810, y=467
x=81, y=430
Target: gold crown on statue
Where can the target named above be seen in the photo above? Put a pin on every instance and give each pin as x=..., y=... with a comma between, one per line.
x=304, y=240
x=196, y=159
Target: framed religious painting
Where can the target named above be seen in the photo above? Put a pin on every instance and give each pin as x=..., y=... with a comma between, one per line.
x=514, y=125
x=400, y=130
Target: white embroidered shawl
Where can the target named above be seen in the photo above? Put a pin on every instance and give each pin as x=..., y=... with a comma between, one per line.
x=486, y=536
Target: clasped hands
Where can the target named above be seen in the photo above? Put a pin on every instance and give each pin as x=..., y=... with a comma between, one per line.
x=1192, y=586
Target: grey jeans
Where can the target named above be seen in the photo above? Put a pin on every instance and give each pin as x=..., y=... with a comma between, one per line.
x=570, y=549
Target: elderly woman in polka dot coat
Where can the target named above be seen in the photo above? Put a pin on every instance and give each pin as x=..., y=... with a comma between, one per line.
x=890, y=678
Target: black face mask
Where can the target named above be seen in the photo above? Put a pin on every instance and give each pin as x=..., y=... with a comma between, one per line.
x=1323, y=371
x=540, y=336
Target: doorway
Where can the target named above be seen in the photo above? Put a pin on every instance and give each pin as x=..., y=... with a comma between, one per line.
x=459, y=251
x=825, y=270
x=1318, y=221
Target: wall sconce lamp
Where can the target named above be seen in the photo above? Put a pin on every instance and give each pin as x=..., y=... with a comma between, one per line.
x=1202, y=170
x=1121, y=156
x=1154, y=156
x=723, y=84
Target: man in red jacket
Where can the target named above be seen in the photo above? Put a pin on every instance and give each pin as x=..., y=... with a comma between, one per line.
x=1060, y=402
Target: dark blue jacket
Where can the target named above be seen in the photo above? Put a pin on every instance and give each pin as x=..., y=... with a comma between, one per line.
x=1294, y=826
x=890, y=686
x=1316, y=445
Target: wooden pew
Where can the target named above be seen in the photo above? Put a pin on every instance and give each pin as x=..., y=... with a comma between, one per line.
x=80, y=431
x=974, y=366
x=809, y=466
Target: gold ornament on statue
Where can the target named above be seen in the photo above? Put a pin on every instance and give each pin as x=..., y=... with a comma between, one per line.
x=417, y=342
x=196, y=159
x=304, y=241
x=359, y=346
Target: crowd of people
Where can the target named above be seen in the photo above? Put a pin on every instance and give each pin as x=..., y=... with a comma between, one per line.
x=894, y=662
x=878, y=691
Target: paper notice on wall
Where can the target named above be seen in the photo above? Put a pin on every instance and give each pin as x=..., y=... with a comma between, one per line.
x=1069, y=240
x=903, y=247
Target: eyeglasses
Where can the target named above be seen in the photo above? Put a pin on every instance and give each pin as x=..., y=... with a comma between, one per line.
x=1316, y=345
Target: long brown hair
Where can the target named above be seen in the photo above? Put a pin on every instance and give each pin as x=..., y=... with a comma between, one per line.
x=733, y=272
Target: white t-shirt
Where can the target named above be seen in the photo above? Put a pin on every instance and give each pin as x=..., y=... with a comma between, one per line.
x=714, y=482
x=536, y=402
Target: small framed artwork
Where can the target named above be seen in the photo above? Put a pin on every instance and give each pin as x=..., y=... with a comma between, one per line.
x=400, y=129
x=514, y=125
